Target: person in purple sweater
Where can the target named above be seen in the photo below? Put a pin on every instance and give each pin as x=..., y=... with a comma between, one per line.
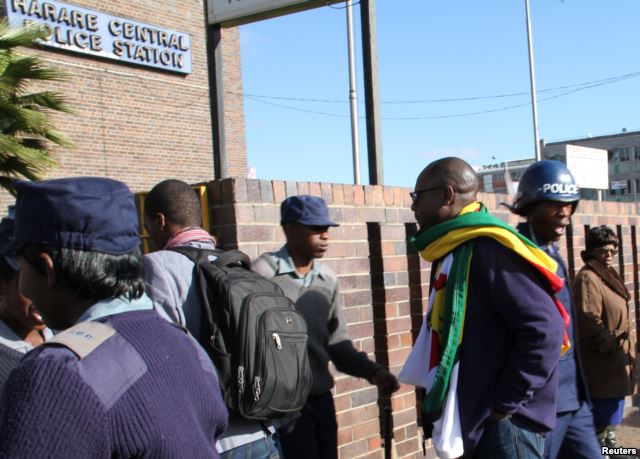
x=117, y=381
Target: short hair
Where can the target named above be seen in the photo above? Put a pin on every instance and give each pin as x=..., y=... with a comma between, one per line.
x=176, y=200
x=599, y=236
x=91, y=275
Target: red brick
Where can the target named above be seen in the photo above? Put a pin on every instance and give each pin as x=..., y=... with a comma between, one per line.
x=368, y=196
x=262, y=233
x=314, y=189
x=266, y=191
x=348, y=194
x=267, y=214
x=291, y=189
x=388, y=196
x=303, y=187
x=378, y=195
x=240, y=189
x=326, y=191
x=338, y=194
x=371, y=214
x=279, y=193
x=253, y=190
x=358, y=195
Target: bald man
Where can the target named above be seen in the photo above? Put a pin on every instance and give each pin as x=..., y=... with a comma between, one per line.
x=493, y=334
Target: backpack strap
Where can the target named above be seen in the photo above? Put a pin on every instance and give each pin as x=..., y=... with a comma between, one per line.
x=223, y=259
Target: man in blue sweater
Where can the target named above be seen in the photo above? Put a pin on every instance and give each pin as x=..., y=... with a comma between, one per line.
x=489, y=346
x=547, y=197
x=117, y=381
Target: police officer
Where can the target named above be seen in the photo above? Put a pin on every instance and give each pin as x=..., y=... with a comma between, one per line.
x=547, y=197
x=118, y=381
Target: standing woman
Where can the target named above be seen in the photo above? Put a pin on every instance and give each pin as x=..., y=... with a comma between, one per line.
x=607, y=348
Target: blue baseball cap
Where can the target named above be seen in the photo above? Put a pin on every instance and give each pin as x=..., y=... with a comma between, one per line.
x=6, y=237
x=83, y=213
x=305, y=210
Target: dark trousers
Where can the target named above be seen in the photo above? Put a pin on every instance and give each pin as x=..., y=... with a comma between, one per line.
x=509, y=438
x=574, y=436
x=315, y=435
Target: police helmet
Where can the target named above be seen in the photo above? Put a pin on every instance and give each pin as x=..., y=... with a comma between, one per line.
x=546, y=180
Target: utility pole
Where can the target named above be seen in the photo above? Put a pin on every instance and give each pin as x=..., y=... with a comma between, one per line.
x=532, y=77
x=371, y=93
x=353, y=98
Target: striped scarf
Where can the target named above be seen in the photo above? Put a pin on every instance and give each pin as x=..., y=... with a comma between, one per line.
x=191, y=234
x=441, y=334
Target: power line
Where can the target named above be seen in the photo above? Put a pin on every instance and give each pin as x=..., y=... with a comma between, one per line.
x=341, y=7
x=570, y=89
x=600, y=82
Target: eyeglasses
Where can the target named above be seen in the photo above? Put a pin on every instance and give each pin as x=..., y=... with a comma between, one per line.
x=604, y=250
x=414, y=194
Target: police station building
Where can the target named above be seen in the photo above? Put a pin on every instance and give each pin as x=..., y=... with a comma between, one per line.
x=138, y=80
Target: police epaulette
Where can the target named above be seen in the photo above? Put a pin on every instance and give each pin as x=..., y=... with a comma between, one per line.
x=83, y=338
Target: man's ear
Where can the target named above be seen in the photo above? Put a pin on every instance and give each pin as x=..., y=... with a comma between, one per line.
x=49, y=271
x=161, y=221
x=449, y=197
x=286, y=229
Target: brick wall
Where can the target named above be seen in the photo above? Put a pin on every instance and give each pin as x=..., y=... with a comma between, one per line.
x=141, y=125
x=383, y=281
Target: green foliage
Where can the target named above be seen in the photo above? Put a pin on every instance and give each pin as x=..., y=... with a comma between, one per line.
x=25, y=126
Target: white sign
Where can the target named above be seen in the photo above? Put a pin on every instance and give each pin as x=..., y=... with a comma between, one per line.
x=234, y=12
x=589, y=166
x=81, y=30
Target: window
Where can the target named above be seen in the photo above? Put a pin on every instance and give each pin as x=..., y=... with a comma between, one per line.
x=621, y=154
x=637, y=153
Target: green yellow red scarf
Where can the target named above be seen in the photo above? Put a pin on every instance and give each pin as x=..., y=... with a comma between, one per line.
x=447, y=316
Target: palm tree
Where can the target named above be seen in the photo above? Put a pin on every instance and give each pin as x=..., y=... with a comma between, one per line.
x=26, y=131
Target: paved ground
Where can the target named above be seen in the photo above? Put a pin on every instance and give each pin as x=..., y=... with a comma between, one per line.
x=628, y=434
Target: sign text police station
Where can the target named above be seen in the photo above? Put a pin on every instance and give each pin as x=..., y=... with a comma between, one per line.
x=90, y=32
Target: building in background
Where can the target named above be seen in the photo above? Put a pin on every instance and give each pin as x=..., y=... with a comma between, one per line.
x=623, y=167
x=139, y=80
x=502, y=177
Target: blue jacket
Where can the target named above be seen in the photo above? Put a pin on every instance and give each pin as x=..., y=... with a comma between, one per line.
x=511, y=344
x=572, y=388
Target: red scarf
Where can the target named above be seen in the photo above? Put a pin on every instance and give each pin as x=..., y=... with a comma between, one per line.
x=191, y=234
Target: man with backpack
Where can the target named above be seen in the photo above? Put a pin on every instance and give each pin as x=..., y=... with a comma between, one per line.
x=172, y=217
x=314, y=289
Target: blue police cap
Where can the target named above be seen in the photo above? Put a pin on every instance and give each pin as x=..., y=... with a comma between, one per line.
x=6, y=237
x=305, y=210
x=83, y=213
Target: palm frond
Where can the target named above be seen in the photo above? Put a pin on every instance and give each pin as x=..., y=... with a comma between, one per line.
x=47, y=99
x=12, y=37
x=25, y=125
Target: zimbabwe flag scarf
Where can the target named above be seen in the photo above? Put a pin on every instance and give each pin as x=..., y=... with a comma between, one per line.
x=452, y=243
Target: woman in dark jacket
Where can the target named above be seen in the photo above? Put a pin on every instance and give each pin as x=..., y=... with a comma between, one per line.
x=607, y=349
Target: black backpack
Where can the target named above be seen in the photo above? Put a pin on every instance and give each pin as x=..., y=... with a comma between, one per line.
x=253, y=334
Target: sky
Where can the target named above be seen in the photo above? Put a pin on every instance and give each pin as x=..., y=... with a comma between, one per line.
x=587, y=64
